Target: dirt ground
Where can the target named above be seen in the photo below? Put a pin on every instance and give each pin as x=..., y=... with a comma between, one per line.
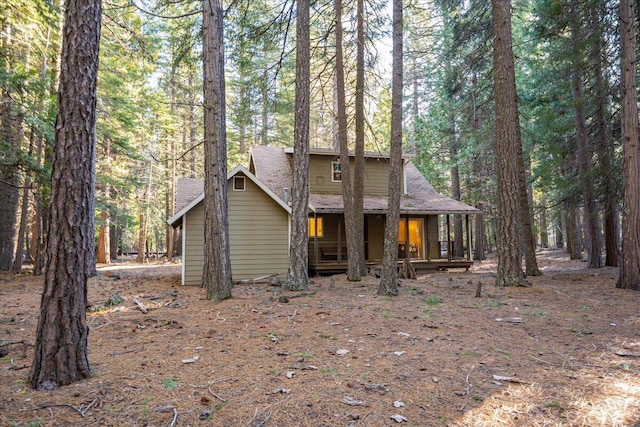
x=564, y=352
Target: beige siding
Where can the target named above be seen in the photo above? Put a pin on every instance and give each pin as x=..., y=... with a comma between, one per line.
x=193, y=256
x=258, y=231
x=376, y=176
x=375, y=237
x=433, y=243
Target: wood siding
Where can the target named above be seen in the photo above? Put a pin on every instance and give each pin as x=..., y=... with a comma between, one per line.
x=259, y=234
x=375, y=237
x=376, y=176
x=258, y=231
x=433, y=242
x=193, y=255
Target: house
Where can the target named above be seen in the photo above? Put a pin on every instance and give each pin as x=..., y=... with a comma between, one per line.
x=259, y=212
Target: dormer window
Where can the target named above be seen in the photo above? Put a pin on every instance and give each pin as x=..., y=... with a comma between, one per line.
x=238, y=183
x=336, y=172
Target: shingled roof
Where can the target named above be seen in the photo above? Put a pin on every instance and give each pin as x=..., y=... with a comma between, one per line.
x=421, y=198
x=273, y=167
x=187, y=189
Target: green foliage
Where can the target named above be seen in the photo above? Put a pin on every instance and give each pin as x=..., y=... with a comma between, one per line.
x=170, y=383
x=433, y=300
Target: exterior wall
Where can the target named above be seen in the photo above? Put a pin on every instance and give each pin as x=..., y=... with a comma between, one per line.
x=375, y=237
x=193, y=255
x=376, y=176
x=259, y=233
x=433, y=241
x=258, y=230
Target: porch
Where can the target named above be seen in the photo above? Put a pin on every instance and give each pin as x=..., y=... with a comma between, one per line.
x=425, y=239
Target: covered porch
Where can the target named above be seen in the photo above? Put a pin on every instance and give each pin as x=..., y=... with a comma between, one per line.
x=425, y=239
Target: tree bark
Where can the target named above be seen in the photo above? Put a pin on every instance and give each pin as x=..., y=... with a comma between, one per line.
x=353, y=266
x=104, y=251
x=142, y=239
x=479, y=241
x=605, y=146
x=298, y=274
x=359, y=163
x=9, y=172
x=389, y=275
x=507, y=122
x=592, y=240
x=629, y=277
x=528, y=240
x=60, y=356
x=216, y=276
x=573, y=239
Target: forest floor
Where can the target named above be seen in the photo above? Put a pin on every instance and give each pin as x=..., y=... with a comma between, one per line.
x=563, y=352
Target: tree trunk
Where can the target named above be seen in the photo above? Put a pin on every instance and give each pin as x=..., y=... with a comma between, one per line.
x=592, y=241
x=298, y=275
x=60, y=356
x=104, y=251
x=544, y=233
x=24, y=214
x=114, y=232
x=216, y=276
x=479, y=242
x=559, y=232
x=528, y=240
x=507, y=122
x=458, y=238
x=389, y=274
x=142, y=239
x=573, y=239
x=605, y=146
x=9, y=181
x=353, y=266
x=359, y=163
x=629, y=277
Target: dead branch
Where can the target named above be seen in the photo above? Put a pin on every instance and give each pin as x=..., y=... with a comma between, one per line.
x=5, y=343
x=53, y=405
x=140, y=306
x=167, y=409
x=216, y=396
x=135, y=350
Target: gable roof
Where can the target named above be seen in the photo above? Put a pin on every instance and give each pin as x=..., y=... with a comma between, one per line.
x=176, y=219
x=187, y=189
x=272, y=165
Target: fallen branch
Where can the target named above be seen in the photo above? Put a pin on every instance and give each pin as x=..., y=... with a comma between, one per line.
x=5, y=343
x=167, y=409
x=140, y=306
x=135, y=350
x=53, y=405
x=259, y=279
x=217, y=397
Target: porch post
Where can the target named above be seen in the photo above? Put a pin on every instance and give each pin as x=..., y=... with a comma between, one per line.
x=448, y=237
x=339, y=257
x=407, y=251
x=468, y=237
x=426, y=236
x=315, y=238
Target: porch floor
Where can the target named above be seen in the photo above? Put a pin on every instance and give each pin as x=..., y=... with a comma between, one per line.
x=420, y=265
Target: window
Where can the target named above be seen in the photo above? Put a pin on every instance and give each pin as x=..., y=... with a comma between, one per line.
x=336, y=172
x=238, y=183
x=315, y=227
